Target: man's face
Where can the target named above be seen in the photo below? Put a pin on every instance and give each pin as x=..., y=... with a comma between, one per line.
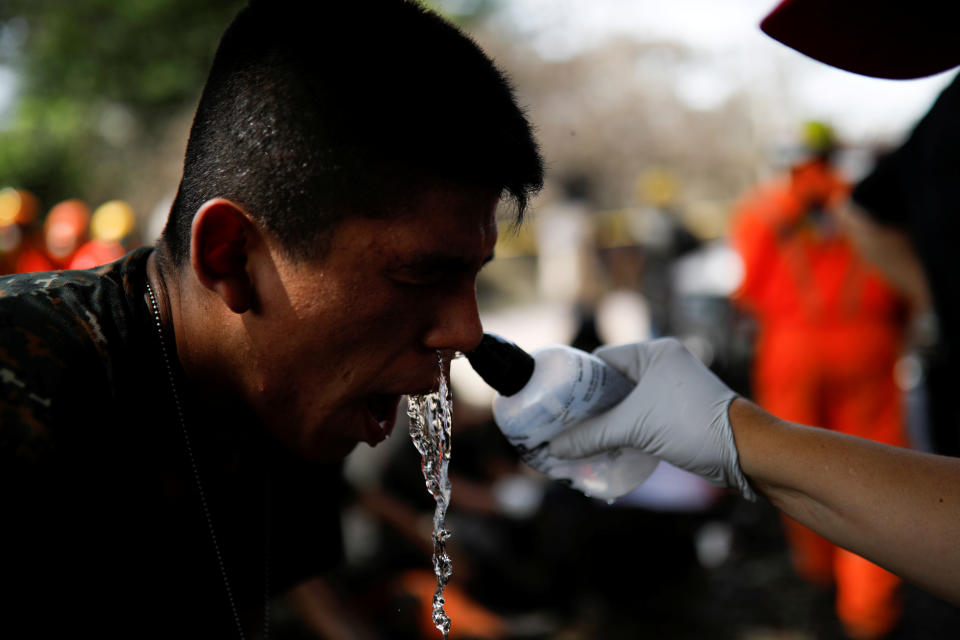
x=342, y=338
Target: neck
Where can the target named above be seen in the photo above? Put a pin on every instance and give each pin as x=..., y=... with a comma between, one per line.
x=166, y=287
x=203, y=345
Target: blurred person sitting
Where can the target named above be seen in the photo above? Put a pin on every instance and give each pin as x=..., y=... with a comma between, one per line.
x=172, y=426
x=830, y=331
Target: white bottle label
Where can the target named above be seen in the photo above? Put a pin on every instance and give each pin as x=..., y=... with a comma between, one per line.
x=567, y=387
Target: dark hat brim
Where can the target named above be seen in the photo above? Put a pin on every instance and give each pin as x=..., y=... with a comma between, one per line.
x=896, y=40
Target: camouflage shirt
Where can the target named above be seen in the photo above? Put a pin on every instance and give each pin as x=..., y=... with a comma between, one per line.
x=101, y=522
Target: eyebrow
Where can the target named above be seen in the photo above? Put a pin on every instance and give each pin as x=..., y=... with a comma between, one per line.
x=440, y=262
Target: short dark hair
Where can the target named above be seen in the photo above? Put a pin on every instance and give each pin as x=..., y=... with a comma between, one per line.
x=316, y=111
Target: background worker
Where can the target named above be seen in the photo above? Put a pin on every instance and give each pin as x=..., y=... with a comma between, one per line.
x=908, y=218
x=831, y=330
x=65, y=229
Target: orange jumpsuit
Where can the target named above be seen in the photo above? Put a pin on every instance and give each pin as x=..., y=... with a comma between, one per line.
x=830, y=333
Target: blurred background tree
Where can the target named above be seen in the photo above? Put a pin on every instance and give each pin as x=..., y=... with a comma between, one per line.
x=96, y=81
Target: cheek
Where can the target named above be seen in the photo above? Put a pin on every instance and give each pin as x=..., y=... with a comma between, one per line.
x=398, y=311
x=348, y=335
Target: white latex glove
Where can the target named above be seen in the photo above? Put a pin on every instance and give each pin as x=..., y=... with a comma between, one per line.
x=678, y=412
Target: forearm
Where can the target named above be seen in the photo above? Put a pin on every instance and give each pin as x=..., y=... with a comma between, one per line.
x=897, y=507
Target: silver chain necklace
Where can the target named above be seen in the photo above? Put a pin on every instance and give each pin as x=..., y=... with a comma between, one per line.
x=196, y=477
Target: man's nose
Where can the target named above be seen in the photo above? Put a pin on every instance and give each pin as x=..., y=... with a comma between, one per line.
x=456, y=325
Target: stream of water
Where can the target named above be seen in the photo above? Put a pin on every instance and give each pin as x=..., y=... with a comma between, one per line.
x=431, y=419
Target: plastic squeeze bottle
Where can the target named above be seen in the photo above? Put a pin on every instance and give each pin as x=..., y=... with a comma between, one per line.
x=542, y=393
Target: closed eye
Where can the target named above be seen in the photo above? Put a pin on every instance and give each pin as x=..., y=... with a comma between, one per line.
x=435, y=270
x=420, y=279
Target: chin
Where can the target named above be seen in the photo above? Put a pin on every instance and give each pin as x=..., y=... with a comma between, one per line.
x=316, y=449
x=328, y=452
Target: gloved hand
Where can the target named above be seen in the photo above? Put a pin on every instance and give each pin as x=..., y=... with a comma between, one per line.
x=678, y=412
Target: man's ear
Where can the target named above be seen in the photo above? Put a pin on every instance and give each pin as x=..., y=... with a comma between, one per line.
x=220, y=241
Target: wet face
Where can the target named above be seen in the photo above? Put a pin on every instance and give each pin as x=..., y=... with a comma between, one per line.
x=342, y=338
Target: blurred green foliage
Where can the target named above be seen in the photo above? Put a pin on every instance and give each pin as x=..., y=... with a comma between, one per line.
x=79, y=62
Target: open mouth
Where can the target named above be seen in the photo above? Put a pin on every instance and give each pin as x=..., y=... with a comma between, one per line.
x=383, y=416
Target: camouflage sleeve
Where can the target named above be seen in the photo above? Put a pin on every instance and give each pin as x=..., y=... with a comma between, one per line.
x=55, y=410
x=26, y=401
x=47, y=369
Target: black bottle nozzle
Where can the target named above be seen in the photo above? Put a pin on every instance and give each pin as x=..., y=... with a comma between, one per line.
x=502, y=364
